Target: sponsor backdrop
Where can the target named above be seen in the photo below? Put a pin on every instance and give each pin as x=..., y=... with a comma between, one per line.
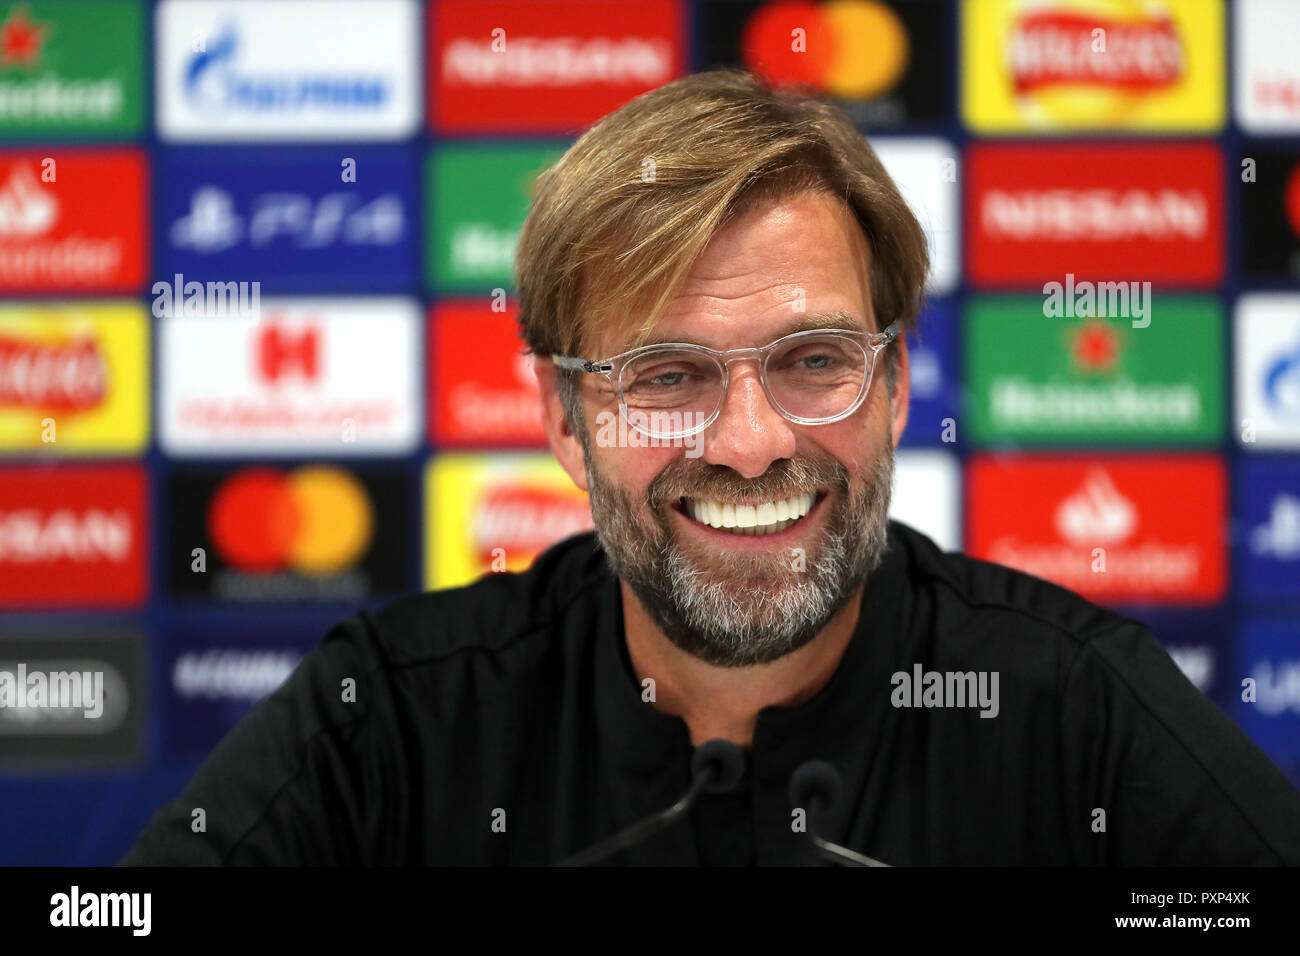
x=259, y=366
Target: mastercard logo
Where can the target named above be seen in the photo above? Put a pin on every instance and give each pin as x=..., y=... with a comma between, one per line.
x=853, y=49
x=317, y=520
x=1292, y=199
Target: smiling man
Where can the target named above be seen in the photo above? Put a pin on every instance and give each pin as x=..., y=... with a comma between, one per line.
x=755, y=550
x=730, y=270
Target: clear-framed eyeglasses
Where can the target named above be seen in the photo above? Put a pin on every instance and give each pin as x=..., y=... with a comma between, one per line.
x=676, y=389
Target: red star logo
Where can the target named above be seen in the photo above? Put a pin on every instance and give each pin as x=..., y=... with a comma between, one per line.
x=20, y=39
x=1096, y=347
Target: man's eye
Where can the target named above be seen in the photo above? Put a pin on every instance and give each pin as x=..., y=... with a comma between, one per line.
x=668, y=379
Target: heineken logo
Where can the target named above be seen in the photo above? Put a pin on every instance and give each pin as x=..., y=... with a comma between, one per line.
x=21, y=39
x=1097, y=378
x=1095, y=347
x=71, y=68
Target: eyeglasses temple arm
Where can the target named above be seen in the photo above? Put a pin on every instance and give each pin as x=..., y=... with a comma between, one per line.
x=580, y=364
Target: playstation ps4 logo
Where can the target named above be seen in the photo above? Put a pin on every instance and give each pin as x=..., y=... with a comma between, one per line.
x=213, y=225
x=214, y=83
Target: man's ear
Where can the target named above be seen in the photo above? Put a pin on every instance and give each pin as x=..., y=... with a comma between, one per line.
x=902, y=388
x=564, y=443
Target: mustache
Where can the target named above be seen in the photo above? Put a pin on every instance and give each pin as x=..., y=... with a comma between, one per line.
x=786, y=477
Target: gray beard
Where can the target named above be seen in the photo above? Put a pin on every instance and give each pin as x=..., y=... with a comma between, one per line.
x=734, y=609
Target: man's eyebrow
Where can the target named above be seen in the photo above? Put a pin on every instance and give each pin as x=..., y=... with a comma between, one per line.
x=803, y=323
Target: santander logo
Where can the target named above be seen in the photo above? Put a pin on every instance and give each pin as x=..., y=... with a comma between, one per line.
x=25, y=208
x=1097, y=513
x=1067, y=520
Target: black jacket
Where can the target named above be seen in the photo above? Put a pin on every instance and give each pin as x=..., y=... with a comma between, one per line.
x=501, y=723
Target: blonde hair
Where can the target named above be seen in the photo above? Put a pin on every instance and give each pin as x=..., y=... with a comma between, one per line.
x=616, y=224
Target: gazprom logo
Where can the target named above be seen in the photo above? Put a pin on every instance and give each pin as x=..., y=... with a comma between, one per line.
x=214, y=83
x=1282, y=383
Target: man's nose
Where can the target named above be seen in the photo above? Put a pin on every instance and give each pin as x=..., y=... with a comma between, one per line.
x=749, y=434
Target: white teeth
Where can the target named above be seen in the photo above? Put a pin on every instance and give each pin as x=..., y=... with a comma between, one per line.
x=766, y=518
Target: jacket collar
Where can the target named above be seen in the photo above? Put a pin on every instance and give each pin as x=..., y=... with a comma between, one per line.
x=644, y=754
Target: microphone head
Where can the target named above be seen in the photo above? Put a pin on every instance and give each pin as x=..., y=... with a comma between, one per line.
x=815, y=780
x=723, y=760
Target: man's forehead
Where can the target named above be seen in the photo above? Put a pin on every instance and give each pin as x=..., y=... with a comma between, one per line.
x=678, y=331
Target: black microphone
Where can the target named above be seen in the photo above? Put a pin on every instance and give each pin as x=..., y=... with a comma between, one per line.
x=815, y=787
x=716, y=767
